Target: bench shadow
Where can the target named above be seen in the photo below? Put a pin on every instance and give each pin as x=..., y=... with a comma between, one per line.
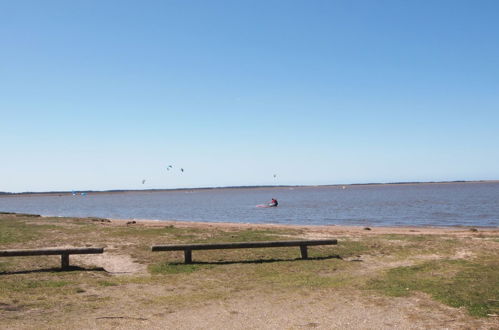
x=54, y=270
x=258, y=261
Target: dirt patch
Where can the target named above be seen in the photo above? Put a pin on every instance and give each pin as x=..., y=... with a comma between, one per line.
x=116, y=264
x=302, y=310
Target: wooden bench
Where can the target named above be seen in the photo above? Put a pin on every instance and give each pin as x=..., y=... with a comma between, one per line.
x=63, y=252
x=187, y=248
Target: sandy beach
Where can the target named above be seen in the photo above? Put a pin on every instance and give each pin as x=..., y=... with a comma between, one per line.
x=312, y=231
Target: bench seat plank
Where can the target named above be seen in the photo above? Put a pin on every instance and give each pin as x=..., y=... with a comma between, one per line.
x=241, y=245
x=63, y=252
x=49, y=251
x=187, y=248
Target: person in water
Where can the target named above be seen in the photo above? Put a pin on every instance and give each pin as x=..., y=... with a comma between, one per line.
x=273, y=202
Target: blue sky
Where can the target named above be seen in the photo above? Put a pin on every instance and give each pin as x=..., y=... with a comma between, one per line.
x=103, y=94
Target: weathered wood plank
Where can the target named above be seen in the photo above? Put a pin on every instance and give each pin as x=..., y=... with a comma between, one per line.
x=49, y=251
x=241, y=245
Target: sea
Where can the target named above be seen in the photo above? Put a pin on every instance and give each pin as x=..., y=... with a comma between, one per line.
x=432, y=204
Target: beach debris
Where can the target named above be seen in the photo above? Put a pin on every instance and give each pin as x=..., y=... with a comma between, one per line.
x=131, y=222
x=11, y=308
x=99, y=219
x=473, y=229
x=121, y=317
x=367, y=228
x=311, y=325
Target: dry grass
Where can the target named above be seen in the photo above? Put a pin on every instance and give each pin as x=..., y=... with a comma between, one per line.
x=367, y=267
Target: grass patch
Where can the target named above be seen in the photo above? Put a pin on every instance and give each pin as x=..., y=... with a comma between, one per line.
x=409, y=238
x=409, y=245
x=107, y=283
x=15, y=231
x=458, y=283
x=20, y=285
x=3, y=266
x=156, y=233
x=174, y=268
x=347, y=248
x=303, y=274
x=250, y=235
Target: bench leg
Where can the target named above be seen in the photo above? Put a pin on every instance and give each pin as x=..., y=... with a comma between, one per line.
x=65, y=260
x=304, y=252
x=188, y=256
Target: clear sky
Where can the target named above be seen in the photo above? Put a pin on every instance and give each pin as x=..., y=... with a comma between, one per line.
x=104, y=94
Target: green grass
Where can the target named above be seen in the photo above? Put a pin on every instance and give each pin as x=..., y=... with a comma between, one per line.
x=145, y=232
x=21, y=285
x=107, y=283
x=404, y=246
x=176, y=268
x=291, y=275
x=3, y=266
x=347, y=248
x=250, y=235
x=458, y=283
x=15, y=231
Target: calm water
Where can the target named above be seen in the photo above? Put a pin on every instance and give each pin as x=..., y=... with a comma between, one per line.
x=467, y=204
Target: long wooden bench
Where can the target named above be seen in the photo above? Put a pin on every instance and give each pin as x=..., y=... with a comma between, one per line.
x=187, y=248
x=63, y=252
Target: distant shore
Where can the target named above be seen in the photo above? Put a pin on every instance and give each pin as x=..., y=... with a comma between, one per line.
x=270, y=187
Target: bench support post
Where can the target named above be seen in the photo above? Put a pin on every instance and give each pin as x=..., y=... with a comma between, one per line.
x=188, y=256
x=304, y=252
x=65, y=260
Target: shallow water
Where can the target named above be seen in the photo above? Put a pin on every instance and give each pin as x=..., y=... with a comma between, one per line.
x=466, y=204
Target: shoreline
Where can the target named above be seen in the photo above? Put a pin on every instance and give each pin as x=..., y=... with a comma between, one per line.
x=365, y=230
x=200, y=224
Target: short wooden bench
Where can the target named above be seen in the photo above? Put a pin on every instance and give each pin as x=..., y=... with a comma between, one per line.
x=187, y=248
x=63, y=252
